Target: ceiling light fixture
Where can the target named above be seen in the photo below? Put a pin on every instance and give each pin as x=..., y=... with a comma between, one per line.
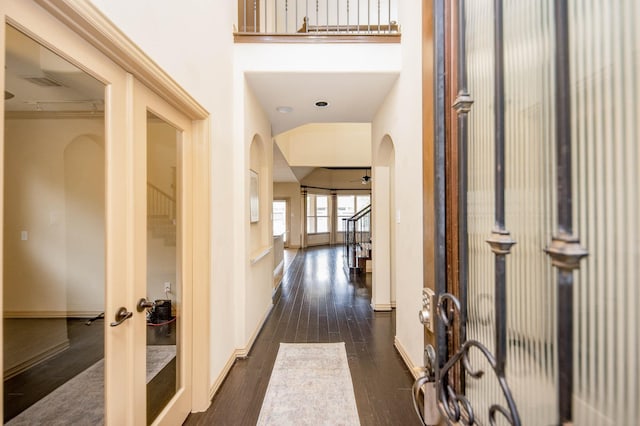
x=284, y=109
x=322, y=104
x=8, y=95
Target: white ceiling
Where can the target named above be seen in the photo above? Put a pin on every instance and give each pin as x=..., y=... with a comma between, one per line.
x=354, y=97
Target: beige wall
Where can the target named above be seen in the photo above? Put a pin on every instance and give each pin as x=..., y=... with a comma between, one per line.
x=327, y=144
x=405, y=130
x=54, y=170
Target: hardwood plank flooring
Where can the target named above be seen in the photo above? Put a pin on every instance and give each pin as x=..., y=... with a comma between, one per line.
x=320, y=302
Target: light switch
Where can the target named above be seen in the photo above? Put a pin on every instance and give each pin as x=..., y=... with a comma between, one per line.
x=24, y=235
x=397, y=216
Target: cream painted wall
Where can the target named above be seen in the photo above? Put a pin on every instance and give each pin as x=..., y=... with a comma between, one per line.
x=59, y=201
x=291, y=192
x=258, y=282
x=327, y=144
x=405, y=129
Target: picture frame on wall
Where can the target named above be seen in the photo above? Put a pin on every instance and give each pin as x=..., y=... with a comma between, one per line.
x=254, y=196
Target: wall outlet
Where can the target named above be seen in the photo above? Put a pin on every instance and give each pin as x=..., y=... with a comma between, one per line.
x=167, y=287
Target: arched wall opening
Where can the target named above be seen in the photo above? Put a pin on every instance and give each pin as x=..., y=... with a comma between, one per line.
x=384, y=220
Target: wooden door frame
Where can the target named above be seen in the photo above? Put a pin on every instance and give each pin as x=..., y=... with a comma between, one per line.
x=84, y=22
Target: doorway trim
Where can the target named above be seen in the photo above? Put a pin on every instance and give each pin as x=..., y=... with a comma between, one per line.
x=91, y=25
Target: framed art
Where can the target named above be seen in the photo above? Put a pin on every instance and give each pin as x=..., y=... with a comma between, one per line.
x=254, y=197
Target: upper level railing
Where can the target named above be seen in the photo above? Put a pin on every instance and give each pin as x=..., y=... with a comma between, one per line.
x=318, y=17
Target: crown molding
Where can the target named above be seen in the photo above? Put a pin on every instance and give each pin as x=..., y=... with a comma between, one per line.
x=92, y=25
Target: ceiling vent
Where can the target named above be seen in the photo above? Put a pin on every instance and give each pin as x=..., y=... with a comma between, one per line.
x=43, y=81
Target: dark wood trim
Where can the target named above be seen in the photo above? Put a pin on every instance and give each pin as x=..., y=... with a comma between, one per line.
x=428, y=175
x=315, y=38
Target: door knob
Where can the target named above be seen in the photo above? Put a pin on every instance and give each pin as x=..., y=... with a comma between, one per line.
x=121, y=316
x=145, y=304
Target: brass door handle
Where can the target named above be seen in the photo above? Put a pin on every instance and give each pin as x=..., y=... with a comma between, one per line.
x=121, y=316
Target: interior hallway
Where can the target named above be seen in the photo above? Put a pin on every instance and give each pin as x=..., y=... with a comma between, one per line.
x=319, y=302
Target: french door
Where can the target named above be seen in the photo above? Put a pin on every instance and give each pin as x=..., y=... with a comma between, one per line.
x=136, y=149
x=539, y=151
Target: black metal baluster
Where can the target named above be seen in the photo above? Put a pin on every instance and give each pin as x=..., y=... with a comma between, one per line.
x=500, y=240
x=565, y=249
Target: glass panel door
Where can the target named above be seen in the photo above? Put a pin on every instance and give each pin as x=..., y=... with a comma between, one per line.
x=54, y=238
x=161, y=139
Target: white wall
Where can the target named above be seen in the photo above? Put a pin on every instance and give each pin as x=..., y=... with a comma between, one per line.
x=400, y=117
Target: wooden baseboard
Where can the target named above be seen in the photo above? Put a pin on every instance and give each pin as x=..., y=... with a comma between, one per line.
x=35, y=360
x=51, y=314
x=414, y=369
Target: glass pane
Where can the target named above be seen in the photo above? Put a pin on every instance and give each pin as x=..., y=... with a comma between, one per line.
x=311, y=225
x=362, y=201
x=323, y=224
x=279, y=217
x=321, y=205
x=346, y=205
x=163, y=264
x=605, y=59
x=54, y=237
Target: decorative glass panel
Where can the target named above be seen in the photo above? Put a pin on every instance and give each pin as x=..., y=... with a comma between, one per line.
x=605, y=61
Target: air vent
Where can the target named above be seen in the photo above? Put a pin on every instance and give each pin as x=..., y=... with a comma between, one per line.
x=43, y=81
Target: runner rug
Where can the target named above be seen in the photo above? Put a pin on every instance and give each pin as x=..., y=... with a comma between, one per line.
x=80, y=401
x=310, y=385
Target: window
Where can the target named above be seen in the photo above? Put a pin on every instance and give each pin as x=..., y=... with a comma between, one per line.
x=280, y=218
x=348, y=205
x=317, y=214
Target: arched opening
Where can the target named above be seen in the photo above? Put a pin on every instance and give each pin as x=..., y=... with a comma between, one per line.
x=383, y=207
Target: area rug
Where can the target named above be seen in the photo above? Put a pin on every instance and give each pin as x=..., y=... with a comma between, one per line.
x=80, y=401
x=310, y=385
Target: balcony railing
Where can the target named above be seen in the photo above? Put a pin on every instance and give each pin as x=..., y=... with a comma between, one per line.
x=318, y=17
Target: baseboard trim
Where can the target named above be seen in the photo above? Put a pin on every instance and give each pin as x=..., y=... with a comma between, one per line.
x=238, y=354
x=244, y=352
x=35, y=360
x=222, y=376
x=415, y=370
x=52, y=314
x=382, y=307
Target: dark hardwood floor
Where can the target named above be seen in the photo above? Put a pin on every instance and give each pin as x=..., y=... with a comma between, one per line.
x=320, y=302
x=86, y=348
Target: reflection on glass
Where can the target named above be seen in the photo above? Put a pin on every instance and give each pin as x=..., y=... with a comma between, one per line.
x=54, y=238
x=163, y=283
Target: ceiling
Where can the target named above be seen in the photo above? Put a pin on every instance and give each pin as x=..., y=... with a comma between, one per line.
x=41, y=80
x=353, y=97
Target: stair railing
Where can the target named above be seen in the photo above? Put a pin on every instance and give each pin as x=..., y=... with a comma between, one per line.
x=357, y=238
x=159, y=203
